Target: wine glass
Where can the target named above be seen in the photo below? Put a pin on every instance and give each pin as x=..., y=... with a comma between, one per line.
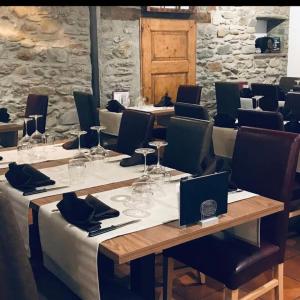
x=145, y=152
x=298, y=82
x=140, y=200
x=37, y=139
x=158, y=172
x=98, y=152
x=257, y=100
x=80, y=154
x=26, y=138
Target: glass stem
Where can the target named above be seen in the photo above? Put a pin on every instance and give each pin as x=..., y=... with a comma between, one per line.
x=25, y=123
x=36, y=128
x=145, y=163
x=158, y=157
x=79, y=147
x=99, y=144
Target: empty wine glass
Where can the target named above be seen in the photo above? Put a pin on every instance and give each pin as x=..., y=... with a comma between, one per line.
x=298, y=82
x=37, y=139
x=80, y=154
x=26, y=138
x=140, y=200
x=145, y=152
x=158, y=172
x=98, y=152
x=257, y=100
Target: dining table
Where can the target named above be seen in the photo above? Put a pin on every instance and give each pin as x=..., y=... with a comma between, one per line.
x=136, y=244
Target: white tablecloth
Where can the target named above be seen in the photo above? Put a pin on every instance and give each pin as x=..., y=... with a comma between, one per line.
x=72, y=256
x=96, y=174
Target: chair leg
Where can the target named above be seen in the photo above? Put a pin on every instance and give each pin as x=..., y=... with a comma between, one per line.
x=231, y=294
x=168, y=269
x=201, y=277
x=278, y=274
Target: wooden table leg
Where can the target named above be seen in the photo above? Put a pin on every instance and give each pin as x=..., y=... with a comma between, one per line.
x=143, y=276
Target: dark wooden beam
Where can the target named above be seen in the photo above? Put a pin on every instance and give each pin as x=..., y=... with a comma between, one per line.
x=94, y=54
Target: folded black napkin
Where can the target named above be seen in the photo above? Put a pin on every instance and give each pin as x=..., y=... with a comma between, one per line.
x=165, y=101
x=115, y=106
x=4, y=115
x=85, y=213
x=26, y=178
x=88, y=140
x=224, y=120
x=138, y=159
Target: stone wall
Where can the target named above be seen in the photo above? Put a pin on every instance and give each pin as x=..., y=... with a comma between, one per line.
x=44, y=50
x=119, y=46
x=226, y=51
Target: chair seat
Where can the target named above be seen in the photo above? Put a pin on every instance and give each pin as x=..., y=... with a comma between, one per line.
x=228, y=260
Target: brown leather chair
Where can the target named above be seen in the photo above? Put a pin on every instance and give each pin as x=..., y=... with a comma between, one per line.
x=270, y=93
x=190, y=111
x=189, y=146
x=261, y=119
x=189, y=94
x=135, y=131
x=270, y=174
x=36, y=105
x=228, y=98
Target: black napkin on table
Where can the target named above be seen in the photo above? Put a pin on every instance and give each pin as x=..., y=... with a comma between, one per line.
x=88, y=140
x=26, y=178
x=165, y=101
x=4, y=115
x=138, y=159
x=115, y=106
x=85, y=213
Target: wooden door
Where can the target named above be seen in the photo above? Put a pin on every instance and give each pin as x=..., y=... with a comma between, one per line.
x=168, y=56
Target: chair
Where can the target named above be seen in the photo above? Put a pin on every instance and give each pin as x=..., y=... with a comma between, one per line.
x=189, y=94
x=135, y=131
x=270, y=93
x=264, y=162
x=189, y=146
x=228, y=98
x=87, y=110
x=292, y=106
x=36, y=105
x=190, y=111
x=262, y=119
x=287, y=83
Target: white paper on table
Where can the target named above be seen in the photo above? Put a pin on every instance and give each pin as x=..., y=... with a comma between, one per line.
x=77, y=266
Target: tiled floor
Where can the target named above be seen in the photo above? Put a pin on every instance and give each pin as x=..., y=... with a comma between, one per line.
x=187, y=286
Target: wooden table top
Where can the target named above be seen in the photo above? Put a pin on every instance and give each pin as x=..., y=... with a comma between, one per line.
x=8, y=127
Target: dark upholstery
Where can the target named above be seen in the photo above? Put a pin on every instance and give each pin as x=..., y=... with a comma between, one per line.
x=228, y=98
x=135, y=131
x=287, y=83
x=292, y=106
x=16, y=277
x=270, y=93
x=262, y=119
x=189, y=94
x=36, y=105
x=87, y=110
x=264, y=162
x=190, y=111
x=189, y=146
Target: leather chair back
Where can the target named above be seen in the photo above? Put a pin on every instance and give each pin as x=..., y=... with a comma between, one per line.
x=135, y=130
x=287, y=83
x=87, y=110
x=189, y=94
x=271, y=95
x=190, y=111
x=264, y=162
x=292, y=106
x=228, y=98
x=16, y=277
x=36, y=105
x=262, y=119
x=189, y=144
